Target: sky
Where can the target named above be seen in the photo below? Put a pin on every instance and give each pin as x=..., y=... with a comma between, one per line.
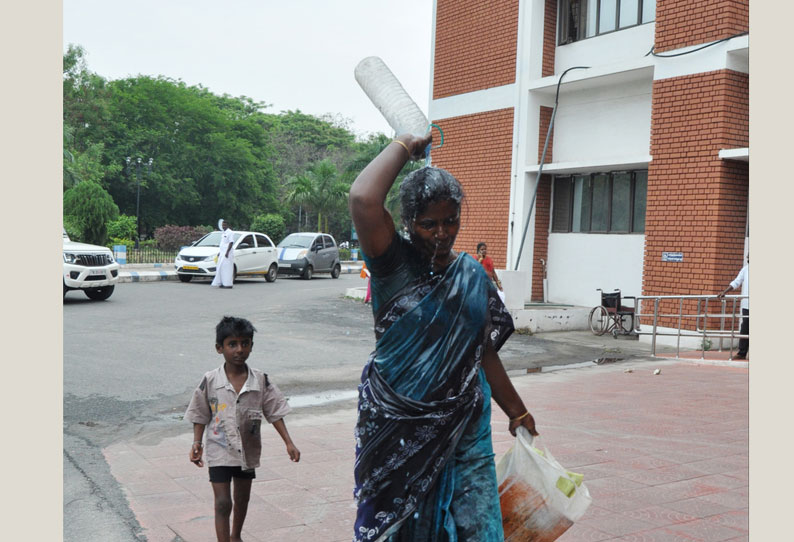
x=295, y=54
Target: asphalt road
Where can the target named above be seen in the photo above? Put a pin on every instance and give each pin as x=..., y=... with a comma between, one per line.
x=131, y=362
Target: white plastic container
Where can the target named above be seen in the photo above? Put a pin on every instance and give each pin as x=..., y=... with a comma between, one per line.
x=389, y=96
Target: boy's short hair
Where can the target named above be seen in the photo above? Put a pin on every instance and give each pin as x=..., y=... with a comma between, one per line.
x=231, y=326
x=480, y=245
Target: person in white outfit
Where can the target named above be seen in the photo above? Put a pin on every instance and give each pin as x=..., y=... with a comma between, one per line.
x=224, y=272
x=743, y=280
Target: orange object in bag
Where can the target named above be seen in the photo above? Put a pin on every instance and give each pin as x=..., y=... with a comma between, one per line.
x=540, y=500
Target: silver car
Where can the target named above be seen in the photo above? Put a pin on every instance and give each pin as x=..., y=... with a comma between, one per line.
x=306, y=253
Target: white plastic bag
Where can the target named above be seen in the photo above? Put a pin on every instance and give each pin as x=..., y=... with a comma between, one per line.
x=540, y=500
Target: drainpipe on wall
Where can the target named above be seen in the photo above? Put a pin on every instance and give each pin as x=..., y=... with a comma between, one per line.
x=543, y=159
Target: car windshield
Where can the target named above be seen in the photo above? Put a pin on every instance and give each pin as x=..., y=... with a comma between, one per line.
x=213, y=239
x=297, y=240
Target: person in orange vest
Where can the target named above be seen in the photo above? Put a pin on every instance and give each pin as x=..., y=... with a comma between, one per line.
x=365, y=275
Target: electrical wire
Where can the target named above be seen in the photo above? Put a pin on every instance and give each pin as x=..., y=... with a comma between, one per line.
x=694, y=50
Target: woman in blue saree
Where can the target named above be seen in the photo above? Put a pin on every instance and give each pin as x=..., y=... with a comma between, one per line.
x=424, y=467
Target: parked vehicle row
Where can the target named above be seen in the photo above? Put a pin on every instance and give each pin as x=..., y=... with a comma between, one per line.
x=93, y=269
x=301, y=254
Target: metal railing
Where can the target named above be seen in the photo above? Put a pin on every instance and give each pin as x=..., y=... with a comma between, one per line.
x=150, y=255
x=727, y=312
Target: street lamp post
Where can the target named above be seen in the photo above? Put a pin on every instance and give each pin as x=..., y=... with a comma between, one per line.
x=138, y=163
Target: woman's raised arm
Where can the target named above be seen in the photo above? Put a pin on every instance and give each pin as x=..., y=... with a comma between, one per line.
x=374, y=224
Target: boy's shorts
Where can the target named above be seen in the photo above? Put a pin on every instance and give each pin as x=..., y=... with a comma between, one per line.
x=225, y=474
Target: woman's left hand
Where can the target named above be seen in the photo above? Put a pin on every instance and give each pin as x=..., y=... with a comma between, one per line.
x=527, y=421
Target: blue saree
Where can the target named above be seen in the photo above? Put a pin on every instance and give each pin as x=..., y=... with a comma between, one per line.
x=424, y=467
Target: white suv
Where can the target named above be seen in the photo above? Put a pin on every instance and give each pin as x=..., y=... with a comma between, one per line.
x=89, y=268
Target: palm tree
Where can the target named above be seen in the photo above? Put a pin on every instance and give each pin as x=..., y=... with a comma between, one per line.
x=319, y=189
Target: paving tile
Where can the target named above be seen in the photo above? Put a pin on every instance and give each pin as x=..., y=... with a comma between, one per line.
x=659, y=515
x=199, y=485
x=161, y=534
x=658, y=535
x=274, y=487
x=164, y=501
x=697, y=507
x=734, y=499
x=200, y=530
x=176, y=466
x=153, y=487
x=664, y=475
x=706, y=530
x=583, y=533
x=738, y=519
x=604, y=487
x=618, y=524
x=289, y=501
x=265, y=517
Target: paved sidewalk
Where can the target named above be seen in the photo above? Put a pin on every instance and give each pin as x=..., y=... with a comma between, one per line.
x=665, y=457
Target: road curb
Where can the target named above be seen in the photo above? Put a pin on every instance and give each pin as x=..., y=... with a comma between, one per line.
x=146, y=276
x=154, y=275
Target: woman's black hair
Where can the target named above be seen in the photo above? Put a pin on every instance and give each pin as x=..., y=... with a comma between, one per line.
x=424, y=186
x=231, y=326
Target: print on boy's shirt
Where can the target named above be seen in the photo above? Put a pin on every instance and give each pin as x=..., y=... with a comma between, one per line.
x=217, y=434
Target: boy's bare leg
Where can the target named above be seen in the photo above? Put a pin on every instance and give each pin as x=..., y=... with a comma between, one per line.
x=242, y=494
x=223, y=509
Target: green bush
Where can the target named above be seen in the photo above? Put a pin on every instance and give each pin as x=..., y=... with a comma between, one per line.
x=344, y=254
x=271, y=225
x=129, y=243
x=72, y=227
x=173, y=237
x=124, y=227
x=90, y=207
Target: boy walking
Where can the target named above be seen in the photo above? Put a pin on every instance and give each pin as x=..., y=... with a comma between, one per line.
x=232, y=400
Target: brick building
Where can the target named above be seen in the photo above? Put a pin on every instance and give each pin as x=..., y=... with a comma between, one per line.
x=649, y=148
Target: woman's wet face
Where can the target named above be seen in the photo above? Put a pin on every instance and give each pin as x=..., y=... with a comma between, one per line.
x=435, y=229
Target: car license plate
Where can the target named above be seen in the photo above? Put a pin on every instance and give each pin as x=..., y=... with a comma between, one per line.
x=190, y=267
x=97, y=272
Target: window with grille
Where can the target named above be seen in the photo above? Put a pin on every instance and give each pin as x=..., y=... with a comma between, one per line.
x=580, y=19
x=600, y=202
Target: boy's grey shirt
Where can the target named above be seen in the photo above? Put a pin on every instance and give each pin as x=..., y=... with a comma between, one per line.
x=232, y=433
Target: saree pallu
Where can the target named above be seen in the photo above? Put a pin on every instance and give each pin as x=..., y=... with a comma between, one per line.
x=424, y=467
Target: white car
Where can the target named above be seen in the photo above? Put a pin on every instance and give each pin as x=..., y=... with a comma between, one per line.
x=90, y=268
x=254, y=255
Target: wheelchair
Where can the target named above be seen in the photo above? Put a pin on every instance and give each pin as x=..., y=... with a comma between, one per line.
x=611, y=316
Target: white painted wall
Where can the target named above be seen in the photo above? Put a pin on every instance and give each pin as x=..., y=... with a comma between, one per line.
x=581, y=262
x=604, y=122
x=627, y=44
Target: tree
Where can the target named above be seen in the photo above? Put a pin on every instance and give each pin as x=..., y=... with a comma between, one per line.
x=270, y=224
x=366, y=151
x=321, y=190
x=90, y=208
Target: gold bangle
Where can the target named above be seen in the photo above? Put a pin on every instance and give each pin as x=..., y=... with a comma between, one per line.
x=404, y=146
x=524, y=415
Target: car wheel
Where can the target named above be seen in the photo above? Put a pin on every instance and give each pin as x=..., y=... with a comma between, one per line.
x=307, y=274
x=272, y=273
x=336, y=271
x=100, y=294
x=65, y=289
x=184, y=278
